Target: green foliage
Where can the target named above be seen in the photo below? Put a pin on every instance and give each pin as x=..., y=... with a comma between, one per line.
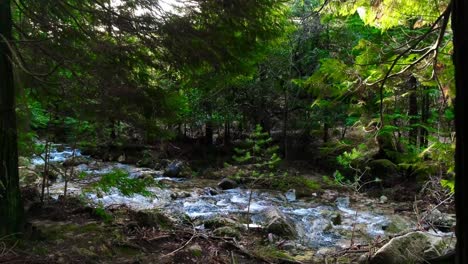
x=101, y=212
x=355, y=160
x=120, y=180
x=258, y=151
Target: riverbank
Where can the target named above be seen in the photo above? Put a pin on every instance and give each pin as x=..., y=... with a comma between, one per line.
x=189, y=218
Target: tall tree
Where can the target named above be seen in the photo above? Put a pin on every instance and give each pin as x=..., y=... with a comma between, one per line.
x=10, y=202
x=460, y=55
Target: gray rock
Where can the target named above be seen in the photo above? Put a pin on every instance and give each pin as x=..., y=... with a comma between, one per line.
x=383, y=199
x=443, y=222
x=290, y=195
x=176, y=169
x=342, y=202
x=415, y=247
x=75, y=161
x=179, y=195
x=278, y=223
x=227, y=184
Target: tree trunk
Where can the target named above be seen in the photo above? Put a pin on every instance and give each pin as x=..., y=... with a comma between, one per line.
x=209, y=133
x=413, y=111
x=425, y=110
x=460, y=57
x=326, y=127
x=227, y=133
x=11, y=210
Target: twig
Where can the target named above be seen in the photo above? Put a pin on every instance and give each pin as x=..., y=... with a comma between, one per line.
x=183, y=246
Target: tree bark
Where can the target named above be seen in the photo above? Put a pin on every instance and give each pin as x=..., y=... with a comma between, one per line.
x=425, y=113
x=413, y=111
x=11, y=210
x=460, y=57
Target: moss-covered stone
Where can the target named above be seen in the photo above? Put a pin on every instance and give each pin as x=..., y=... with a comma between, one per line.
x=227, y=231
x=154, y=218
x=220, y=222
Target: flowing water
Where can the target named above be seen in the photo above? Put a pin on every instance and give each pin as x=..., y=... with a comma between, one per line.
x=313, y=219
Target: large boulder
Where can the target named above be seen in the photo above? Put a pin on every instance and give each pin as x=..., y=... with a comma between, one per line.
x=278, y=223
x=226, y=184
x=75, y=161
x=178, y=169
x=415, y=247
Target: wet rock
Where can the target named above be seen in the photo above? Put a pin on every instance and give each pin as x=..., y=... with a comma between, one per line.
x=211, y=191
x=278, y=223
x=291, y=195
x=179, y=195
x=342, y=202
x=227, y=231
x=226, y=184
x=177, y=169
x=415, y=247
x=122, y=158
x=75, y=161
x=336, y=219
x=154, y=218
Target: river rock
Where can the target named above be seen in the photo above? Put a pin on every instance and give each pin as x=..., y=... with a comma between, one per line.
x=290, y=195
x=278, y=223
x=227, y=184
x=75, y=161
x=336, y=219
x=178, y=168
x=415, y=247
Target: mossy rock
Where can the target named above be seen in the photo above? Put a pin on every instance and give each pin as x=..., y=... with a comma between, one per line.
x=227, y=231
x=279, y=224
x=218, y=222
x=196, y=250
x=413, y=247
x=396, y=225
x=154, y=218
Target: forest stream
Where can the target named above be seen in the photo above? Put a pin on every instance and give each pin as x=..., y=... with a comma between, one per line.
x=322, y=224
